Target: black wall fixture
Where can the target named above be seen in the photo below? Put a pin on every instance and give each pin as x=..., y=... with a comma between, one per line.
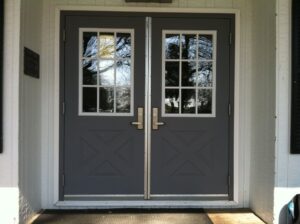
x=31, y=63
x=295, y=122
x=149, y=1
x=1, y=71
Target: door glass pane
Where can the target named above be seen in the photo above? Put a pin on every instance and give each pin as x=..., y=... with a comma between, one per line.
x=188, y=102
x=172, y=74
x=189, y=46
x=204, y=101
x=206, y=47
x=189, y=78
x=107, y=45
x=123, y=45
x=172, y=46
x=172, y=101
x=106, y=103
x=90, y=44
x=107, y=73
x=188, y=72
x=107, y=65
x=89, y=72
x=123, y=100
x=89, y=99
x=205, y=73
x=123, y=73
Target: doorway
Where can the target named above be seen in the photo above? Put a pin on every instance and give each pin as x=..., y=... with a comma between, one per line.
x=146, y=106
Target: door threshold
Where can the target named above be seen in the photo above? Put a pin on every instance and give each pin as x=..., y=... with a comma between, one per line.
x=208, y=197
x=154, y=197
x=148, y=204
x=103, y=197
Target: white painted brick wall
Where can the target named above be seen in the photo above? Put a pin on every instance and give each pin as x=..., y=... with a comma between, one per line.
x=287, y=178
x=9, y=192
x=262, y=109
x=30, y=115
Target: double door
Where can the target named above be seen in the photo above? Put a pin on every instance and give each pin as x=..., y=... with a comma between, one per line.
x=146, y=106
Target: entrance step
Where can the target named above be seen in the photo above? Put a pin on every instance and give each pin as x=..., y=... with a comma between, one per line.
x=148, y=217
x=240, y=216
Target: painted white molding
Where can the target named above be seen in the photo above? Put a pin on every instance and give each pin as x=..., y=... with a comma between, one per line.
x=146, y=9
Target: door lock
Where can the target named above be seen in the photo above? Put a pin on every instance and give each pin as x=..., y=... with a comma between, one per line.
x=140, y=122
x=155, y=122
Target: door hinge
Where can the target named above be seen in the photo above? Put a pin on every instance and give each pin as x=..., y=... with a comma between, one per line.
x=63, y=109
x=230, y=38
x=229, y=180
x=229, y=109
x=64, y=35
x=63, y=180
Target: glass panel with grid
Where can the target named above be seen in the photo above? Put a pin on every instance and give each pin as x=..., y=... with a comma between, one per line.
x=106, y=72
x=189, y=73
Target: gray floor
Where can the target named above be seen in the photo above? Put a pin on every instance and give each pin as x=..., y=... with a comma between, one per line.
x=141, y=218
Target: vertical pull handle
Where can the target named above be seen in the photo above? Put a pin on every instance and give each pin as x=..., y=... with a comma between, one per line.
x=155, y=122
x=140, y=122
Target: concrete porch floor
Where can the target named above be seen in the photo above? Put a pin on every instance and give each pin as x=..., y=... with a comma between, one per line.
x=241, y=216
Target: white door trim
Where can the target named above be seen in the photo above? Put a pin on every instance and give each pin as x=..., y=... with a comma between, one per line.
x=238, y=153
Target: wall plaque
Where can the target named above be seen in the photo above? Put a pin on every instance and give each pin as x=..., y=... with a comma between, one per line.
x=31, y=63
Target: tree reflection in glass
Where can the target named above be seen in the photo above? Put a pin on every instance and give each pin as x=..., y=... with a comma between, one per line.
x=106, y=72
x=172, y=74
x=192, y=87
x=204, y=101
x=123, y=73
x=172, y=101
x=113, y=67
x=172, y=46
x=205, y=47
x=90, y=44
x=123, y=45
x=189, y=46
x=205, y=72
x=188, y=72
x=107, y=45
x=188, y=102
x=123, y=100
x=106, y=100
x=90, y=99
x=89, y=72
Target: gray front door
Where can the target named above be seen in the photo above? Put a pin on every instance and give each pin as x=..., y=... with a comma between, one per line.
x=145, y=103
x=103, y=87
x=191, y=72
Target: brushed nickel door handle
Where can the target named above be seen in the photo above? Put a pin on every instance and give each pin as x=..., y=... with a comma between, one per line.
x=155, y=122
x=140, y=122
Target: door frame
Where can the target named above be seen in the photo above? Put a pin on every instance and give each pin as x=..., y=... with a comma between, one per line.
x=236, y=153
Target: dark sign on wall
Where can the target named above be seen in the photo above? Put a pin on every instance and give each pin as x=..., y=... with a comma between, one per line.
x=31, y=63
x=1, y=70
